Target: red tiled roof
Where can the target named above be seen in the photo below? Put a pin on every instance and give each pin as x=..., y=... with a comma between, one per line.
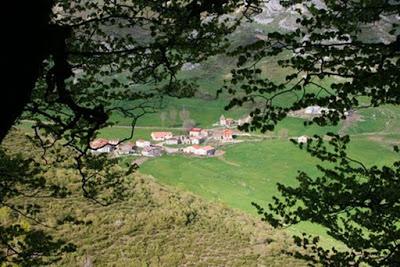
x=113, y=142
x=228, y=132
x=160, y=134
x=126, y=145
x=195, y=130
x=98, y=143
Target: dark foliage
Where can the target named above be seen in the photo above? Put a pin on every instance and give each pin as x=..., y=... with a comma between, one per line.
x=68, y=67
x=358, y=204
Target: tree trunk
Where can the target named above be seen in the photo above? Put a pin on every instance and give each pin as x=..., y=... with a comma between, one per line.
x=26, y=38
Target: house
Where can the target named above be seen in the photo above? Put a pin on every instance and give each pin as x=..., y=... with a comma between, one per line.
x=203, y=150
x=196, y=140
x=142, y=143
x=224, y=135
x=227, y=135
x=126, y=148
x=173, y=141
x=195, y=132
x=161, y=136
x=227, y=122
x=101, y=146
x=315, y=110
x=302, y=139
x=152, y=151
x=206, y=151
x=200, y=150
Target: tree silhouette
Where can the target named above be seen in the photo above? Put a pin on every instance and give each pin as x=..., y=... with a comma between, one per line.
x=70, y=65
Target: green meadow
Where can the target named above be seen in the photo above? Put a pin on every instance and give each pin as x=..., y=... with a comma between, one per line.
x=249, y=172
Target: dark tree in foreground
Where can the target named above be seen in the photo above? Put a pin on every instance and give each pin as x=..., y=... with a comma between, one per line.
x=337, y=58
x=70, y=65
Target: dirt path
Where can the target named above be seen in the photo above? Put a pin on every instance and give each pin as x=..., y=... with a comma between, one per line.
x=222, y=158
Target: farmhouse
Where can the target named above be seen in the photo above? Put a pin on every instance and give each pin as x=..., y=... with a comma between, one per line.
x=227, y=135
x=200, y=150
x=315, y=110
x=161, y=136
x=101, y=146
x=302, y=139
x=173, y=141
x=142, y=143
x=227, y=122
x=195, y=132
x=196, y=140
x=207, y=150
x=152, y=151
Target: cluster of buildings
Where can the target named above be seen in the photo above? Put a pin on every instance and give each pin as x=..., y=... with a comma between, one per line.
x=196, y=136
x=194, y=139
x=160, y=140
x=141, y=147
x=197, y=141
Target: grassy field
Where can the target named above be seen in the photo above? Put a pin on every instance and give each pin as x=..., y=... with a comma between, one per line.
x=249, y=172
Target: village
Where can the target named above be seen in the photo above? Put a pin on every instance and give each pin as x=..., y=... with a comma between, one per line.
x=194, y=142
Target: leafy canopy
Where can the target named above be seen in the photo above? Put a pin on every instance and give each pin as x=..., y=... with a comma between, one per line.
x=343, y=55
x=85, y=59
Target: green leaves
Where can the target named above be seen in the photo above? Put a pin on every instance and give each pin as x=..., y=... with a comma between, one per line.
x=341, y=52
x=357, y=204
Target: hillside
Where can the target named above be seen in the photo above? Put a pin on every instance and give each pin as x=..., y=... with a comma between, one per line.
x=160, y=226
x=155, y=225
